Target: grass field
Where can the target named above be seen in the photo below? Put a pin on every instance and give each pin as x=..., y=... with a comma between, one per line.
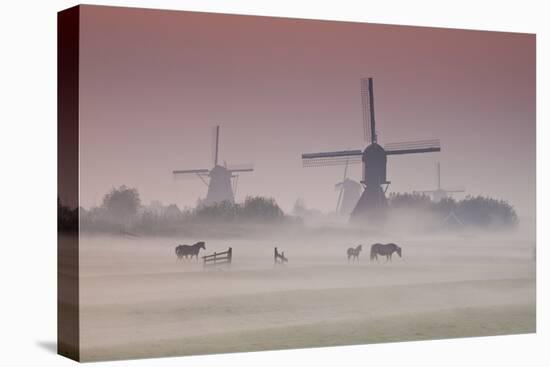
x=138, y=301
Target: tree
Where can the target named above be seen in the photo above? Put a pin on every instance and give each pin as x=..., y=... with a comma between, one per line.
x=225, y=210
x=487, y=212
x=257, y=207
x=254, y=208
x=122, y=203
x=406, y=200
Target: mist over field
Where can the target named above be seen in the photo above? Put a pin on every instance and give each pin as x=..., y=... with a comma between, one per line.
x=138, y=300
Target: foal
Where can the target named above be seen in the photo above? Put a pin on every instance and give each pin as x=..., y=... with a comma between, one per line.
x=354, y=253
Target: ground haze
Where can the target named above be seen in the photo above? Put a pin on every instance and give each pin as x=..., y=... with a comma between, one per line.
x=137, y=300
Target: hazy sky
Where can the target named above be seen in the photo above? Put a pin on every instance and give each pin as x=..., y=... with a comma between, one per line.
x=153, y=83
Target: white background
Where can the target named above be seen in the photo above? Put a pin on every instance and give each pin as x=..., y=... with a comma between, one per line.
x=28, y=182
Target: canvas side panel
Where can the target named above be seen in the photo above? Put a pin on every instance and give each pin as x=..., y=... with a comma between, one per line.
x=68, y=331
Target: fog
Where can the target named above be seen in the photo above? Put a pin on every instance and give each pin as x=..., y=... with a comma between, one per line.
x=138, y=300
x=152, y=85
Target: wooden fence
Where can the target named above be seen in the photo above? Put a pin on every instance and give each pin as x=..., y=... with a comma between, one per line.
x=218, y=258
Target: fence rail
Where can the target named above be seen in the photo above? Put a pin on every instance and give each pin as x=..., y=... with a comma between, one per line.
x=218, y=258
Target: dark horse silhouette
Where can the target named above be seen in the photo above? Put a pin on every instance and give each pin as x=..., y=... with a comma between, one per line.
x=189, y=250
x=353, y=253
x=384, y=250
x=279, y=258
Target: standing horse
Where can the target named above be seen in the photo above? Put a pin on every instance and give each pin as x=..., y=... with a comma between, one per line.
x=354, y=252
x=279, y=258
x=384, y=250
x=187, y=250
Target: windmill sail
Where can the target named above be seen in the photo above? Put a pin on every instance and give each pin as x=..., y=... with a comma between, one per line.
x=341, y=186
x=367, y=101
x=337, y=158
x=215, y=144
x=190, y=171
x=410, y=147
x=247, y=167
x=439, y=193
x=218, y=178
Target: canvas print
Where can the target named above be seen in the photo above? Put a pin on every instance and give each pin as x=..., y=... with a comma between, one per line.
x=235, y=183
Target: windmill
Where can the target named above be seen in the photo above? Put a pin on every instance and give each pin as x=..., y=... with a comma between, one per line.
x=373, y=157
x=219, y=178
x=349, y=192
x=439, y=193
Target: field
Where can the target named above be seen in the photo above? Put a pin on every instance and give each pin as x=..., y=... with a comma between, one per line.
x=138, y=301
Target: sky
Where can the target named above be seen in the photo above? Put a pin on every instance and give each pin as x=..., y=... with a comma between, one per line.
x=153, y=84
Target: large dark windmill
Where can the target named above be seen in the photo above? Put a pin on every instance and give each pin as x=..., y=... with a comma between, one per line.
x=219, y=178
x=373, y=157
x=439, y=193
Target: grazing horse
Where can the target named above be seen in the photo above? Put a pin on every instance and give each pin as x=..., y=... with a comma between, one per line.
x=354, y=252
x=189, y=250
x=384, y=250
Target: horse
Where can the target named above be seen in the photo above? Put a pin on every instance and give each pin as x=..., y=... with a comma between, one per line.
x=384, y=250
x=279, y=258
x=189, y=250
x=354, y=252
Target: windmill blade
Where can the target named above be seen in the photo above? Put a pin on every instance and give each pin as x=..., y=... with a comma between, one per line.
x=247, y=167
x=339, y=202
x=341, y=184
x=215, y=144
x=367, y=102
x=202, y=178
x=235, y=184
x=202, y=174
x=438, y=168
x=330, y=161
x=346, y=171
x=410, y=147
x=337, y=158
x=190, y=171
x=455, y=190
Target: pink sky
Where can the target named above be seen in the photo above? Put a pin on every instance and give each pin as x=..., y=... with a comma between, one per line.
x=153, y=83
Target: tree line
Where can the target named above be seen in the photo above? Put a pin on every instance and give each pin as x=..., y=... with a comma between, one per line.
x=477, y=211
x=122, y=209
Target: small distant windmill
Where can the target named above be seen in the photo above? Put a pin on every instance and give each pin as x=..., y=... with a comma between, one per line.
x=348, y=195
x=373, y=157
x=439, y=193
x=219, y=178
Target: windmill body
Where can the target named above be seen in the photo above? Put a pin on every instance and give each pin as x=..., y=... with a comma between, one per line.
x=373, y=159
x=219, y=188
x=219, y=179
x=439, y=194
x=350, y=194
